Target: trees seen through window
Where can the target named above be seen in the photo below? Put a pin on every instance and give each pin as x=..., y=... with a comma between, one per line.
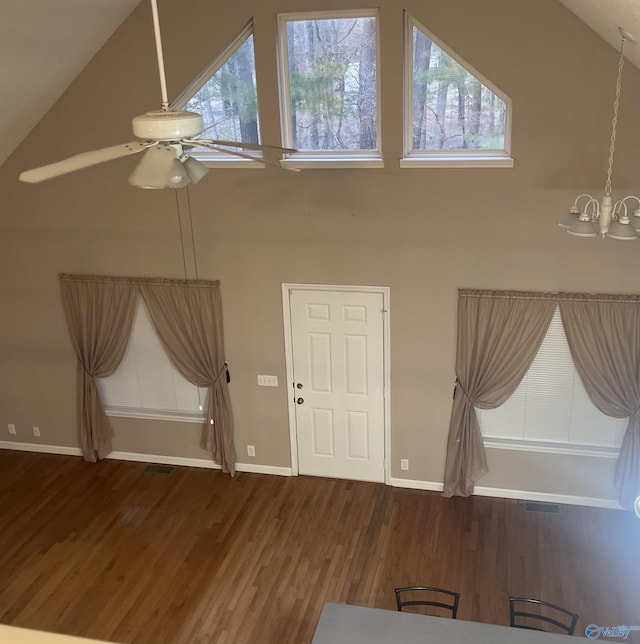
x=451, y=108
x=226, y=94
x=331, y=70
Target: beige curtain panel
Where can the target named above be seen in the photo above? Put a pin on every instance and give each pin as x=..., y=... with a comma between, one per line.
x=187, y=316
x=499, y=334
x=603, y=333
x=100, y=317
x=188, y=321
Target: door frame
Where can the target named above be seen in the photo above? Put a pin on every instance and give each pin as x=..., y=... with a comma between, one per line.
x=385, y=291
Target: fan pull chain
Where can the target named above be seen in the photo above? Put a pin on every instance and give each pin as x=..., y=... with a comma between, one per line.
x=184, y=266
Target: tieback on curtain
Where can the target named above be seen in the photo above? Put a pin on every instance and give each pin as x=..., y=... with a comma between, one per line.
x=225, y=368
x=210, y=408
x=457, y=386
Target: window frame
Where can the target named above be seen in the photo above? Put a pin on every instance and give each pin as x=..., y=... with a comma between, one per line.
x=498, y=158
x=212, y=158
x=323, y=158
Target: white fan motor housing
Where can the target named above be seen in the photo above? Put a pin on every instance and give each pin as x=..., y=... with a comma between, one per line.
x=167, y=125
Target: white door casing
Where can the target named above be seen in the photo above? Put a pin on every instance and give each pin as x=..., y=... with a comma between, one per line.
x=337, y=366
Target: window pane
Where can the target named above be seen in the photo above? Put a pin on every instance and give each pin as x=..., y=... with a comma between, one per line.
x=452, y=110
x=146, y=381
x=228, y=101
x=332, y=78
x=551, y=405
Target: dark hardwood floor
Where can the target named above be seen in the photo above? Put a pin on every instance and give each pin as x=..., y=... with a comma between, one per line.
x=110, y=552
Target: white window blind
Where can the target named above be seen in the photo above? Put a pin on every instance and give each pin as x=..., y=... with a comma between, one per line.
x=550, y=408
x=146, y=383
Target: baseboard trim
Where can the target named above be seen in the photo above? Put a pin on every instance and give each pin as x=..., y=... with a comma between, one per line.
x=39, y=447
x=432, y=486
x=520, y=495
x=548, y=497
x=255, y=468
x=205, y=463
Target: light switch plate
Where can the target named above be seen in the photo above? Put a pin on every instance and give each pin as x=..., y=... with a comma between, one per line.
x=268, y=381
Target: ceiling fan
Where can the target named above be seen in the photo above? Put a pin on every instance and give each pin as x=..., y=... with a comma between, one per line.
x=164, y=136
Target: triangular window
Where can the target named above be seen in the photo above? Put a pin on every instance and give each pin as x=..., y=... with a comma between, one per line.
x=451, y=109
x=225, y=95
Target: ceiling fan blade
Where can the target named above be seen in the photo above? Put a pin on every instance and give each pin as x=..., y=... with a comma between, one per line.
x=239, y=144
x=84, y=160
x=211, y=146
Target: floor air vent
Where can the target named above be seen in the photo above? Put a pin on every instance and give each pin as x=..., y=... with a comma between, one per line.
x=152, y=468
x=548, y=508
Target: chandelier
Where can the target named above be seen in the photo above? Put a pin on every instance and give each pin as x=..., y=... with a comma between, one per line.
x=589, y=217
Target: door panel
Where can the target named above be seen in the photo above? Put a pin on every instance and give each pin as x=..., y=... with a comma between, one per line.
x=338, y=358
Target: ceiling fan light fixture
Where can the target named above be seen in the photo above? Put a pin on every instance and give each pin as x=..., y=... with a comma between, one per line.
x=178, y=176
x=155, y=169
x=197, y=170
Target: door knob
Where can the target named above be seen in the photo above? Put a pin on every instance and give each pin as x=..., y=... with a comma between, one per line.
x=300, y=400
x=299, y=385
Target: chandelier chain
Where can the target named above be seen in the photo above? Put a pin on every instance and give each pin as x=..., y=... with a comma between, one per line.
x=614, y=122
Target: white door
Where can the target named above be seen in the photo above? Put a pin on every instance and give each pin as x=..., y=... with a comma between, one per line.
x=338, y=364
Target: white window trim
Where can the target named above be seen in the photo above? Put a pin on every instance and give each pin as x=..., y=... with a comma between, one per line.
x=551, y=447
x=211, y=158
x=448, y=158
x=124, y=412
x=457, y=161
x=303, y=161
x=322, y=158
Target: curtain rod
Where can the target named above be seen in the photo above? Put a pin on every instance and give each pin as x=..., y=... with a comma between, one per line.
x=154, y=281
x=558, y=297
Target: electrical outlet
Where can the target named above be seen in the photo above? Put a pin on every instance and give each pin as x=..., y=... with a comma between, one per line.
x=12, y=428
x=251, y=450
x=36, y=431
x=404, y=463
x=268, y=381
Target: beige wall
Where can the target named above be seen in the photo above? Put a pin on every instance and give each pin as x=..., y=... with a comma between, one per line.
x=422, y=232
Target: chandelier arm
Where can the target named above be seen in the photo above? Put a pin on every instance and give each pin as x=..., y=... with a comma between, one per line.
x=584, y=194
x=631, y=197
x=595, y=215
x=617, y=208
x=614, y=122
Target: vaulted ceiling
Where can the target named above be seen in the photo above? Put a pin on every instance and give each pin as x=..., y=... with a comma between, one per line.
x=44, y=44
